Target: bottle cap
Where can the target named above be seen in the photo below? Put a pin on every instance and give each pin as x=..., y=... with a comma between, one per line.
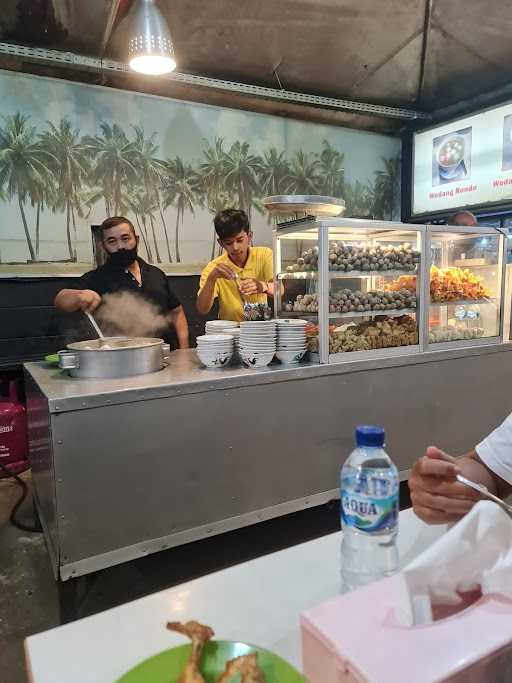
x=368, y=435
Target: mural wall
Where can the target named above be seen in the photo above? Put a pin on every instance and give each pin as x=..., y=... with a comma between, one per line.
x=72, y=154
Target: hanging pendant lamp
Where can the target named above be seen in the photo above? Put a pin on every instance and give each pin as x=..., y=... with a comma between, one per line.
x=150, y=46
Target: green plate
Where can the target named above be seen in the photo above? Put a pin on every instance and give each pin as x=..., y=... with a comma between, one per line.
x=52, y=358
x=167, y=666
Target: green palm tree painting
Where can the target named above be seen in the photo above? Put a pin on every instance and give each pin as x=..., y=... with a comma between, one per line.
x=331, y=169
x=304, y=178
x=180, y=189
x=151, y=171
x=23, y=166
x=69, y=162
x=77, y=169
x=115, y=164
x=241, y=169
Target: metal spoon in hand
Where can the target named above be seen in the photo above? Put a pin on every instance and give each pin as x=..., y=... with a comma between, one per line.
x=485, y=493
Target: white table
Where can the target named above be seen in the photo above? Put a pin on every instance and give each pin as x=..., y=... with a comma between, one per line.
x=257, y=602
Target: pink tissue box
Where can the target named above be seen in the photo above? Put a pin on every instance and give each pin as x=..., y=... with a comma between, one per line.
x=355, y=638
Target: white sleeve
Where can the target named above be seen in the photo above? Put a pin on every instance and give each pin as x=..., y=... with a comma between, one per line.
x=495, y=451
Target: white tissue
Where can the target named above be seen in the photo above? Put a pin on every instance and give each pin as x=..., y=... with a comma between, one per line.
x=477, y=551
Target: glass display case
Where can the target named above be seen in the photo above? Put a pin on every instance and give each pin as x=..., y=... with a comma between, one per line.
x=356, y=282
x=378, y=288
x=465, y=286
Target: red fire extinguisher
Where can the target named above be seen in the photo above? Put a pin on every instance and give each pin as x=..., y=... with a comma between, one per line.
x=13, y=433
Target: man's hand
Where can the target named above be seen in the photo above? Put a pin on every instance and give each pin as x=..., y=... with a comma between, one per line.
x=250, y=286
x=437, y=497
x=88, y=300
x=222, y=271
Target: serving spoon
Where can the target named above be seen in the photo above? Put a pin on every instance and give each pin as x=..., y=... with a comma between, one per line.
x=485, y=493
x=96, y=327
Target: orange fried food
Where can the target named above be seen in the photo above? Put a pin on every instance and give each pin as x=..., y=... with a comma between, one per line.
x=246, y=666
x=455, y=284
x=198, y=634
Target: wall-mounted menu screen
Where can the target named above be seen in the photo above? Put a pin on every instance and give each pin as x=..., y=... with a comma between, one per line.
x=463, y=163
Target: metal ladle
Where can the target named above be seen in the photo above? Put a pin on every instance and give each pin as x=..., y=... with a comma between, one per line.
x=95, y=325
x=485, y=493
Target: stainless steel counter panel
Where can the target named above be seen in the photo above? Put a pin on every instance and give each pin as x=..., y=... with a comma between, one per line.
x=185, y=375
x=161, y=460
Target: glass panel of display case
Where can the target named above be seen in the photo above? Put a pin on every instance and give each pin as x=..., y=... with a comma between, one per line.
x=297, y=263
x=465, y=287
x=373, y=289
x=372, y=280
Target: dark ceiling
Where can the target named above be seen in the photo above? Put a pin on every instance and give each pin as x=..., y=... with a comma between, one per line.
x=421, y=54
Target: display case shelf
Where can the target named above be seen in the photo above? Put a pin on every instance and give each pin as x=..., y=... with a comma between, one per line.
x=343, y=275
x=463, y=302
x=395, y=313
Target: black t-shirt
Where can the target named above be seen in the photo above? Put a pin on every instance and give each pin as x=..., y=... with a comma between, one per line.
x=155, y=286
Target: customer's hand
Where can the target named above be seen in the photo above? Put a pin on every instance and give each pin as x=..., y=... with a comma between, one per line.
x=88, y=300
x=437, y=497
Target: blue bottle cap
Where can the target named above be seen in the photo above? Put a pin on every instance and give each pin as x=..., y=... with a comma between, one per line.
x=368, y=435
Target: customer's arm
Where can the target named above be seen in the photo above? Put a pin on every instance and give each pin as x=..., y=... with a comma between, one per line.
x=436, y=495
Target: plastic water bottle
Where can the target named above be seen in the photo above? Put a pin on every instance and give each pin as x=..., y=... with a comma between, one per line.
x=369, y=511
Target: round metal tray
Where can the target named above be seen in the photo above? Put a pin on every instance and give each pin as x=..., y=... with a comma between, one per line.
x=305, y=204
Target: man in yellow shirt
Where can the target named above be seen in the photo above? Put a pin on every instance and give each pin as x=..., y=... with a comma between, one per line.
x=243, y=273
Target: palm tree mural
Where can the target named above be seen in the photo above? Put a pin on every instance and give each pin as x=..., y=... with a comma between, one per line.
x=180, y=188
x=386, y=188
x=70, y=164
x=136, y=202
x=273, y=173
x=212, y=172
x=75, y=176
x=23, y=166
x=304, y=174
x=116, y=164
x=358, y=199
x=151, y=171
x=241, y=168
x=331, y=171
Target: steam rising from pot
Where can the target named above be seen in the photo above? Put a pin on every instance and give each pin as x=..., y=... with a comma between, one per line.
x=130, y=315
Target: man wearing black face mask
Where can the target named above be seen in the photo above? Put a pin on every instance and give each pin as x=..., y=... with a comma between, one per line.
x=124, y=271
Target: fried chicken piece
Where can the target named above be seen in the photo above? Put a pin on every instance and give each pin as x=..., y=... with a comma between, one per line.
x=247, y=666
x=198, y=634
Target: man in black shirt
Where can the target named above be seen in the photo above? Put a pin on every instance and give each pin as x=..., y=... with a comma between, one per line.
x=125, y=271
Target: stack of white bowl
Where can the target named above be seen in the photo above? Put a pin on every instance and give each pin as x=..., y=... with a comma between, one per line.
x=224, y=327
x=215, y=350
x=291, y=340
x=257, y=342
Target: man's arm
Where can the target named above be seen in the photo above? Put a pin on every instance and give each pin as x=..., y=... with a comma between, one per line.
x=70, y=300
x=436, y=495
x=179, y=320
x=206, y=294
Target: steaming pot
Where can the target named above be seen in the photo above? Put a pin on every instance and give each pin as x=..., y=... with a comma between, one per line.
x=114, y=357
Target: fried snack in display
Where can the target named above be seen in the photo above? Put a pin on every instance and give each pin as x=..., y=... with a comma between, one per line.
x=407, y=282
x=455, y=284
x=367, y=336
x=198, y=634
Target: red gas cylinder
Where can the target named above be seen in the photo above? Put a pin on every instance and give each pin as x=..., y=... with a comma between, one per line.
x=13, y=433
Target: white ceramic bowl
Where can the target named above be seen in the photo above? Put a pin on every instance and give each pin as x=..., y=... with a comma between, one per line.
x=291, y=322
x=215, y=360
x=290, y=357
x=221, y=323
x=210, y=338
x=256, y=360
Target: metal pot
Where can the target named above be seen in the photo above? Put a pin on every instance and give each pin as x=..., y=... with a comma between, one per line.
x=114, y=357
